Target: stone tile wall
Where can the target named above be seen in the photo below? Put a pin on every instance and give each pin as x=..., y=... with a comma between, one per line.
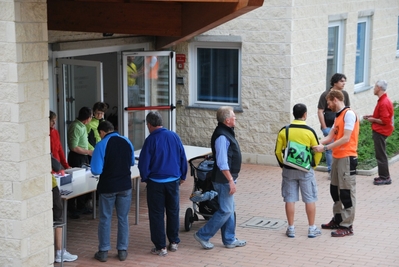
x=284, y=57
x=284, y=50
x=283, y=62
x=26, y=234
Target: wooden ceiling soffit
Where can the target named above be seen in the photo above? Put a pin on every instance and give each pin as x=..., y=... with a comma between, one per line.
x=170, y=22
x=198, y=18
x=139, y=18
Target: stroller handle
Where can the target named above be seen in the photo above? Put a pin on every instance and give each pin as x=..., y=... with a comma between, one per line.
x=199, y=157
x=192, y=167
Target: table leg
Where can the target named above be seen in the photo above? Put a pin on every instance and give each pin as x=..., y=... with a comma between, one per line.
x=65, y=217
x=94, y=204
x=137, y=200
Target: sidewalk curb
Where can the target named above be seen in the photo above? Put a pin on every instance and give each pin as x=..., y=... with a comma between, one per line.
x=363, y=172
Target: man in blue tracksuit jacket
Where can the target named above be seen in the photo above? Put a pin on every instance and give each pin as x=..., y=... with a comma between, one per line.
x=163, y=166
x=112, y=159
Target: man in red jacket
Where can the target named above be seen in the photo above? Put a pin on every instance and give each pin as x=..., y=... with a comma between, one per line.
x=382, y=126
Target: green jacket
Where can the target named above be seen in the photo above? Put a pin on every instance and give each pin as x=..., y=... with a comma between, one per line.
x=92, y=133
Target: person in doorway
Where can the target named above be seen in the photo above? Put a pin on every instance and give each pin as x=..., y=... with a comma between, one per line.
x=99, y=110
x=55, y=144
x=131, y=71
x=132, y=75
x=78, y=155
x=343, y=140
x=294, y=179
x=112, y=159
x=227, y=154
x=151, y=70
x=382, y=126
x=57, y=217
x=152, y=65
x=77, y=139
x=163, y=166
x=326, y=115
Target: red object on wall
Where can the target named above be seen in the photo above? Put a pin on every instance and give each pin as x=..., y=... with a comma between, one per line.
x=180, y=60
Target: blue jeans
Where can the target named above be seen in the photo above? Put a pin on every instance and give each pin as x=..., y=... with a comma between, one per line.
x=223, y=218
x=328, y=153
x=106, y=202
x=163, y=197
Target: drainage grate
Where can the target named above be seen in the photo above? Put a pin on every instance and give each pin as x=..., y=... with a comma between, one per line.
x=264, y=223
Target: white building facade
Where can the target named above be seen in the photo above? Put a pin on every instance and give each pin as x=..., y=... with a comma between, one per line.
x=261, y=63
x=288, y=54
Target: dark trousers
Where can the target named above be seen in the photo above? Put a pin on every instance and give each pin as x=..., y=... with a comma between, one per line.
x=381, y=154
x=163, y=197
x=57, y=205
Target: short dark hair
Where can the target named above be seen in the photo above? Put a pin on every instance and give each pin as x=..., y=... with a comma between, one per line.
x=336, y=78
x=100, y=106
x=84, y=113
x=105, y=126
x=154, y=118
x=299, y=110
x=52, y=115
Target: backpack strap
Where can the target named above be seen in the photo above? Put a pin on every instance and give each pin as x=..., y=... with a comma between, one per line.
x=286, y=133
x=300, y=126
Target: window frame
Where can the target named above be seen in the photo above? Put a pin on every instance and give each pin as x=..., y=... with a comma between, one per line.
x=397, y=44
x=340, y=49
x=193, y=81
x=364, y=84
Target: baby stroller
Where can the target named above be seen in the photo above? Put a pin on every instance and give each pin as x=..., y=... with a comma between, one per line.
x=205, y=202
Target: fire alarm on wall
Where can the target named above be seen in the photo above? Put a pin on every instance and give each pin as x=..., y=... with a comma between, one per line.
x=180, y=60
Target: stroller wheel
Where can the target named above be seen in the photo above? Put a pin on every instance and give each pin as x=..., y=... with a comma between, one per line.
x=196, y=217
x=188, y=219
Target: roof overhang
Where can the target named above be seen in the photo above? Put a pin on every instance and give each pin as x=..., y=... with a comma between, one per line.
x=169, y=21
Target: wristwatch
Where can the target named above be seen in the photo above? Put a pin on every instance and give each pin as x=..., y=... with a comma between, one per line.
x=325, y=148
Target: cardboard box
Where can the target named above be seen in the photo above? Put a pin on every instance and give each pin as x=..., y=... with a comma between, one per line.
x=76, y=173
x=63, y=179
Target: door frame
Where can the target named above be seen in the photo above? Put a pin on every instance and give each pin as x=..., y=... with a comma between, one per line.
x=141, y=111
x=172, y=86
x=76, y=49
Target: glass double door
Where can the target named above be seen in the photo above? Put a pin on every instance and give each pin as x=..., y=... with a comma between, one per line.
x=147, y=83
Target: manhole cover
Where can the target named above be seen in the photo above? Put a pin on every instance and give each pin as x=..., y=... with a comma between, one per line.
x=264, y=223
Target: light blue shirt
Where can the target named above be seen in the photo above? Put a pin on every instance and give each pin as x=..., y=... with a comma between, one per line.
x=221, y=146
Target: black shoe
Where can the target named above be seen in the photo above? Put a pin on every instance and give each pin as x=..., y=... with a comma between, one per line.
x=101, y=256
x=122, y=255
x=74, y=215
x=87, y=211
x=383, y=181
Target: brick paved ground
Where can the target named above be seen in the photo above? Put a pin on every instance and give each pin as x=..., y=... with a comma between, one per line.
x=375, y=242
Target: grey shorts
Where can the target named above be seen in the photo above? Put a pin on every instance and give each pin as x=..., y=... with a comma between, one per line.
x=295, y=180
